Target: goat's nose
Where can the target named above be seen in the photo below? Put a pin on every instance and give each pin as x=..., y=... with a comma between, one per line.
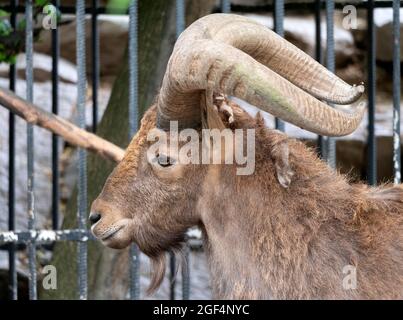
x=94, y=217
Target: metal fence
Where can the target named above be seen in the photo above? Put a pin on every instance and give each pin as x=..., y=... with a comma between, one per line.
x=13, y=240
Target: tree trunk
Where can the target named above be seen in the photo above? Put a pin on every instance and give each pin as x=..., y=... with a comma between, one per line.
x=108, y=274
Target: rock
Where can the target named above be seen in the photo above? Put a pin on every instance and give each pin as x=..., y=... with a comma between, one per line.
x=42, y=148
x=42, y=68
x=42, y=143
x=113, y=30
x=42, y=94
x=383, y=18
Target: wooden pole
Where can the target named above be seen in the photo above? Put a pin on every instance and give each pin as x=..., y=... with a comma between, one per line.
x=68, y=131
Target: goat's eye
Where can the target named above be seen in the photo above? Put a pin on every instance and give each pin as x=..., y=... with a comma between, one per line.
x=165, y=161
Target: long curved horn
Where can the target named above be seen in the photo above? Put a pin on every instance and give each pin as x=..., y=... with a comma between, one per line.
x=236, y=56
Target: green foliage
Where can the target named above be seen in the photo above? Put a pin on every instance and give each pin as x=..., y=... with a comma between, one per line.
x=5, y=28
x=12, y=40
x=118, y=6
x=3, y=13
x=41, y=3
x=6, y=37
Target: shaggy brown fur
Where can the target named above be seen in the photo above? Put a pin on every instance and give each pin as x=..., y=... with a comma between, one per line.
x=263, y=240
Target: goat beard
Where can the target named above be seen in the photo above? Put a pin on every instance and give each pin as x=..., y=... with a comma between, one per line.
x=158, y=267
x=157, y=255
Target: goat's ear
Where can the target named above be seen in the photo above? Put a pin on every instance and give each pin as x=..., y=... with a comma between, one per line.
x=214, y=120
x=260, y=120
x=217, y=111
x=210, y=113
x=280, y=155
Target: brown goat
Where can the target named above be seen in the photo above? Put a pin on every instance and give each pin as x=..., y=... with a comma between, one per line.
x=262, y=240
x=294, y=228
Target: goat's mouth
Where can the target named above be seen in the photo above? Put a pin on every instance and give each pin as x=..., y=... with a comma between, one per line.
x=109, y=234
x=115, y=235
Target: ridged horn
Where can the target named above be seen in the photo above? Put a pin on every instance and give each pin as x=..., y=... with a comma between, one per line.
x=236, y=56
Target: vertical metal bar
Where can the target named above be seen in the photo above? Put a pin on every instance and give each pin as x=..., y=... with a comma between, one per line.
x=396, y=92
x=172, y=273
x=180, y=26
x=318, y=31
x=330, y=63
x=180, y=17
x=30, y=147
x=279, y=17
x=82, y=155
x=55, y=138
x=372, y=175
x=12, y=276
x=95, y=63
x=185, y=273
x=279, y=29
x=319, y=57
x=225, y=6
x=133, y=68
x=133, y=126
